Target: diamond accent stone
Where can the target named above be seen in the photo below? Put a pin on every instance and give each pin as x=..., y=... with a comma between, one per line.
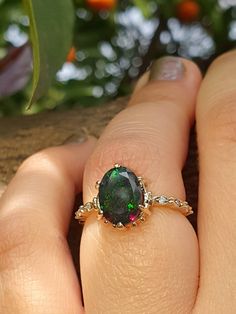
x=163, y=200
x=177, y=202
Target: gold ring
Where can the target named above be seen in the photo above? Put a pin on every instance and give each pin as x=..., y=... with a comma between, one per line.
x=124, y=201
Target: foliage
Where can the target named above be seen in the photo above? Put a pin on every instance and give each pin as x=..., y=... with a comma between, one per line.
x=113, y=43
x=51, y=40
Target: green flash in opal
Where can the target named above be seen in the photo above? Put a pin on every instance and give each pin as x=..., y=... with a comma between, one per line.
x=130, y=206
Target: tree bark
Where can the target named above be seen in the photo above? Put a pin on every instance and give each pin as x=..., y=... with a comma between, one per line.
x=22, y=136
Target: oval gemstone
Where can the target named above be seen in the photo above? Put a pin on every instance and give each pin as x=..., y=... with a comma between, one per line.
x=120, y=195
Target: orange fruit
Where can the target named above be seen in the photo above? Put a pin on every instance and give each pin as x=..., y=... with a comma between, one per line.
x=71, y=55
x=99, y=5
x=188, y=11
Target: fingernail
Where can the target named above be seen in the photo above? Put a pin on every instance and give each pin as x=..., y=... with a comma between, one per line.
x=74, y=139
x=167, y=69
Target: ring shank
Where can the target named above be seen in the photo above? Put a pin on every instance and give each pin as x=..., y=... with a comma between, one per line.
x=155, y=201
x=173, y=203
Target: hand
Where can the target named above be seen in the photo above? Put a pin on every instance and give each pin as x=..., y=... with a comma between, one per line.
x=157, y=267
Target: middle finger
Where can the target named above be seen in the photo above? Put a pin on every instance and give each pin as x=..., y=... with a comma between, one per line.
x=153, y=268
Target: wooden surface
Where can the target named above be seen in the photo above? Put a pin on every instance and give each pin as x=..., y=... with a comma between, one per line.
x=22, y=136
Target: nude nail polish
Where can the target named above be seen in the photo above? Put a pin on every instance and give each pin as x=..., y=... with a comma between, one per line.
x=167, y=69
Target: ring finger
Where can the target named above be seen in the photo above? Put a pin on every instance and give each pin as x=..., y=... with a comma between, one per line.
x=153, y=268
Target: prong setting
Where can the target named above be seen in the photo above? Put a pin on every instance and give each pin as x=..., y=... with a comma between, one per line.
x=145, y=210
x=120, y=226
x=141, y=183
x=95, y=202
x=99, y=216
x=97, y=184
x=137, y=208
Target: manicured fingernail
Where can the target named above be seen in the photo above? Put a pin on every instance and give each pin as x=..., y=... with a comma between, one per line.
x=167, y=69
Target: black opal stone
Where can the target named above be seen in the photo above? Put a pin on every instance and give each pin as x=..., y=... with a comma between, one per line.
x=120, y=195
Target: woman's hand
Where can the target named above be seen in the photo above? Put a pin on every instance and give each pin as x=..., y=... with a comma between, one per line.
x=157, y=267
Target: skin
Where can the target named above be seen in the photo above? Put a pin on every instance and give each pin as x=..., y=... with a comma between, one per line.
x=159, y=267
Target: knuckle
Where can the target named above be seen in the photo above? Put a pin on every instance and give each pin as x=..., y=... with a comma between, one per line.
x=36, y=160
x=128, y=150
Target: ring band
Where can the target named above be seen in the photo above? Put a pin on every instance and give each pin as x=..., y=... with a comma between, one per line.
x=123, y=200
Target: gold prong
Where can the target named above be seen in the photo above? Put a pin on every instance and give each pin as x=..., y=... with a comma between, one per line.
x=95, y=202
x=99, y=216
x=145, y=210
x=117, y=166
x=105, y=221
x=141, y=183
x=97, y=184
x=134, y=224
x=77, y=215
x=100, y=212
x=120, y=226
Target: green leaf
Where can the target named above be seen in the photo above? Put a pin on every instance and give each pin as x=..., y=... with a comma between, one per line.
x=51, y=27
x=144, y=7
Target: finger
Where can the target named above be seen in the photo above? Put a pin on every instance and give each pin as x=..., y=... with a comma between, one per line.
x=154, y=268
x=36, y=268
x=216, y=125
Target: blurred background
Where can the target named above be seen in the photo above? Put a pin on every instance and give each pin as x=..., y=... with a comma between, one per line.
x=114, y=43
